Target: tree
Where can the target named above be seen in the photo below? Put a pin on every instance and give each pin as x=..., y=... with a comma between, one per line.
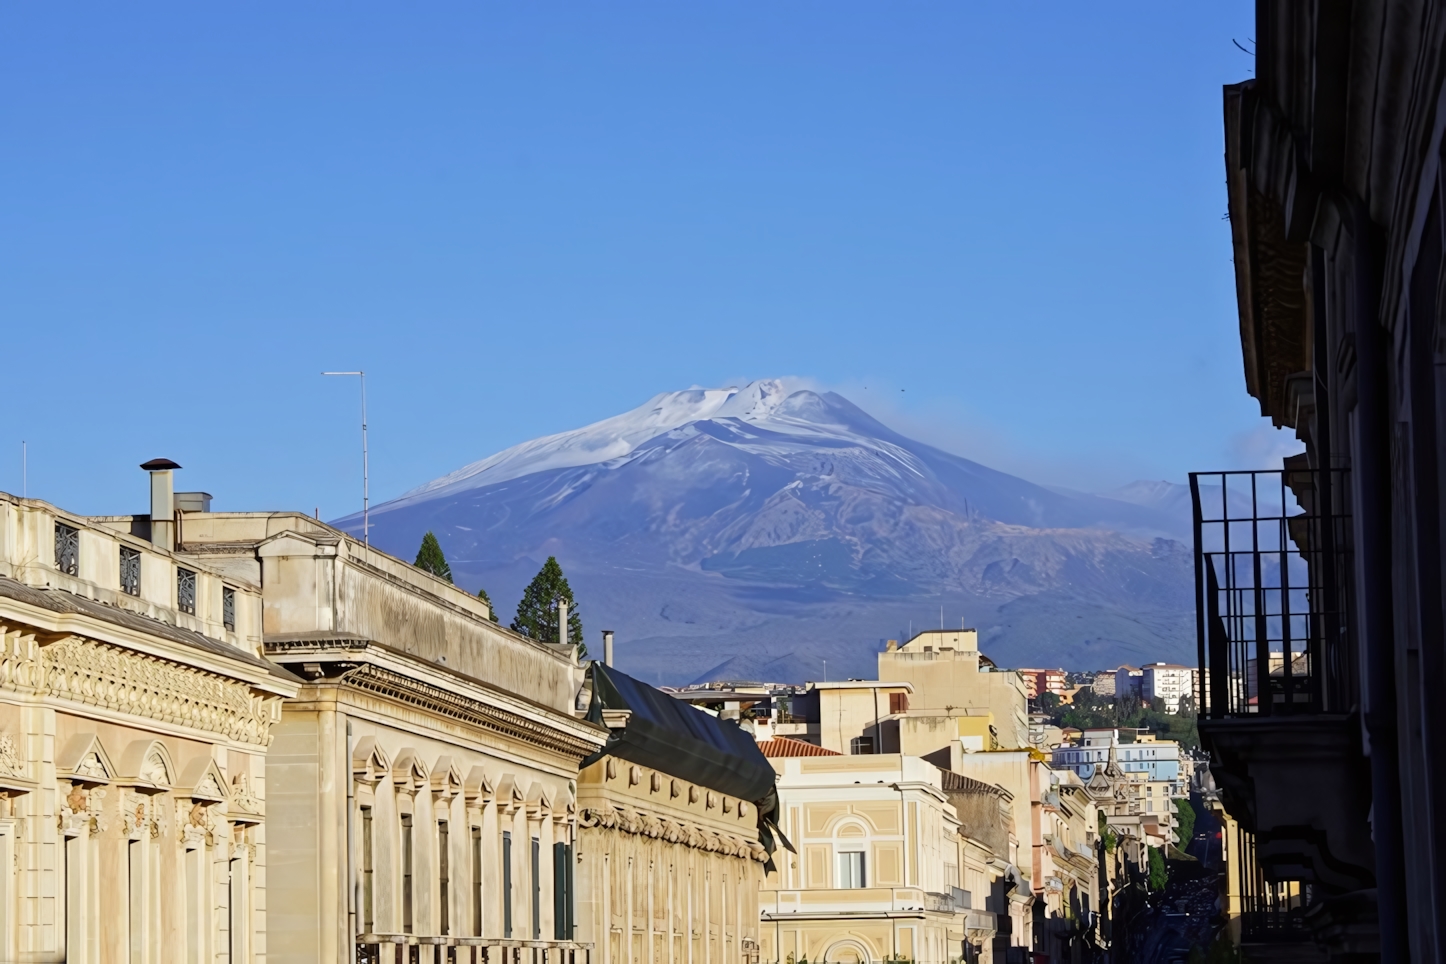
x=482, y=595
x=537, y=612
x=1158, y=876
x=430, y=558
x=1184, y=822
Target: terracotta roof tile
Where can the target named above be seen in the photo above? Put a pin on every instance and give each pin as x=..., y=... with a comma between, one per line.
x=784, y=746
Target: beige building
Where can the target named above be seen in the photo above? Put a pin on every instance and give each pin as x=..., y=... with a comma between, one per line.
x=424, y=777
x=951, y=679
x=876, y=875
x=668, y=871
x=135, y=715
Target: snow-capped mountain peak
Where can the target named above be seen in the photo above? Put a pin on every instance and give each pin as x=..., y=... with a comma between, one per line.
x=764, y=401
x=708, y=523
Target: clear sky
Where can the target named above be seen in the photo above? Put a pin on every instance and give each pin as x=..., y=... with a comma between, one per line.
x=998, y=226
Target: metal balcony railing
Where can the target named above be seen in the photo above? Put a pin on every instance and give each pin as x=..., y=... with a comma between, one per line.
x=1270, y=911
x=1272, y=573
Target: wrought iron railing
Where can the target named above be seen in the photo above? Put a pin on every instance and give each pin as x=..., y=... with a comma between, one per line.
x=1272, y=572
x=1270, y=911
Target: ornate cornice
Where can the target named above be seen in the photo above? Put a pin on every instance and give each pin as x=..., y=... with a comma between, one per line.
x=672, y=831
x=384, y=682
x=110, y=677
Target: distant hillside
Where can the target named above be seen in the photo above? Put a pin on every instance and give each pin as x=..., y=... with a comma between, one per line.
x=761, y=532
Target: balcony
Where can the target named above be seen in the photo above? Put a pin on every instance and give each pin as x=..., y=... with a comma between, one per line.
x=858, y=902
x=424, y=949
x=1278, y=681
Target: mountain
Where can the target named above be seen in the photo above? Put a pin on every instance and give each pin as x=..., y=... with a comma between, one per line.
x=759, y=532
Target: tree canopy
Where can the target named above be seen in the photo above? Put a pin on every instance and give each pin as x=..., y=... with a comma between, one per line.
x=482, y=595
x=1089, y=709
x=430, y=558
x=537, y=612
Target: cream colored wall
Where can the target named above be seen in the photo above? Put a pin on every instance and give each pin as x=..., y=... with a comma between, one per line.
x=667, y=872
x=846, y=713
x=893, y=809
x=124, y=829
x=27, y=555
x=132, y=780
x=949, y=681
x=338, y=586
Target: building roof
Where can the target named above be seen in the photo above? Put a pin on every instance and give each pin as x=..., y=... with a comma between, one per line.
x=678, y=739
x=863, y=684
x=66, y=603
x=781, y=746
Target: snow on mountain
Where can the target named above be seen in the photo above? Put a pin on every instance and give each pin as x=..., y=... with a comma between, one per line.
x=722, y=529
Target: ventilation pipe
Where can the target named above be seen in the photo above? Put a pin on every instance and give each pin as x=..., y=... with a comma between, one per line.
x=607, y=647
x=163, y=503
x=562, y=621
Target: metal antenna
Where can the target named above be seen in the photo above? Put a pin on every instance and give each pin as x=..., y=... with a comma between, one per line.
x=24, y=469
x=366, y=492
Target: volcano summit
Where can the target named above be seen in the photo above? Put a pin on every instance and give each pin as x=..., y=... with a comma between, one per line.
x=759, y=532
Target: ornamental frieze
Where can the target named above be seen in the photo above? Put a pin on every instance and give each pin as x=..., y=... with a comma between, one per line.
x=113, y=678
x=672, y=831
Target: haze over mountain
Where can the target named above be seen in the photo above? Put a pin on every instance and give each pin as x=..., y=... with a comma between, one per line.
x=759, y=532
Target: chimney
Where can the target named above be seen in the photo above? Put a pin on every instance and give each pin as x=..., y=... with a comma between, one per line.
x=163, y=503
x=562, y=621
x=607, y=647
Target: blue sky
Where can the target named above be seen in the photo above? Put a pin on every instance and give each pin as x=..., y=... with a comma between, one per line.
x=996, y=226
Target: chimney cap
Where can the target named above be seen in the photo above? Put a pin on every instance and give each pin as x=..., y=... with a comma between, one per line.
x=158, y=465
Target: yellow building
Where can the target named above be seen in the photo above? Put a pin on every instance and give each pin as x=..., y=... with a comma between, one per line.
x=136, y=712
x=668, y=861
x=876, y=876
x=950, y=678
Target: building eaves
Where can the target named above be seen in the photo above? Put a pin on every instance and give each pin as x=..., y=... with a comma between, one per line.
x=65, y=603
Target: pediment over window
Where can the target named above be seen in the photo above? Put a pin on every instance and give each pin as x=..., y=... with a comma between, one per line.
x=409, y=772
x=369, y=762
x=204, y=782
x=147, y=767
x=84, y=760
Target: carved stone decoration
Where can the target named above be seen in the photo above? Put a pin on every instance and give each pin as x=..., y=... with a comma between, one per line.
x=98, y=674
x=11, y=762
x=208, y=787
x=631, y=821
x=242, y=799
x=21, y=669
x=90, y=766
x=153, y=770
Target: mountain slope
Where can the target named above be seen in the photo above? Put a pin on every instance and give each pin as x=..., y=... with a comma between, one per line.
x=738, y=532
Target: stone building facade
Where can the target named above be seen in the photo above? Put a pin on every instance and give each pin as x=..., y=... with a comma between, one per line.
x=135, y=715
x=877, y=872
x=425, y=776
x=668, y=871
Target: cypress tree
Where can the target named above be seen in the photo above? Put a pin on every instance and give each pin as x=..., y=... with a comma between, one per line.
x=482, y=595
x=430, y=558
x=537, y=612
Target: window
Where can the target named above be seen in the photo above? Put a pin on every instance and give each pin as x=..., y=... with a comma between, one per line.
x=368, y=865
x=406, y=873
x=477, y=881
x=506, y=884
x=67, y=549
x=851, y=869
x=185, y=590
x=443, y=869
x=228, y=608
x=130, y=570
x=898, y=702
x=561, y=892
x=536, y=889
x=861, y=745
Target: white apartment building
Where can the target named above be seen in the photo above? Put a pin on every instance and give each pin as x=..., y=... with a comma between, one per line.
x=1169, y=682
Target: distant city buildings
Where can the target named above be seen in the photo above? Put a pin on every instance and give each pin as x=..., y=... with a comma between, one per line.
x=1037, y=681
x=1170, y=683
